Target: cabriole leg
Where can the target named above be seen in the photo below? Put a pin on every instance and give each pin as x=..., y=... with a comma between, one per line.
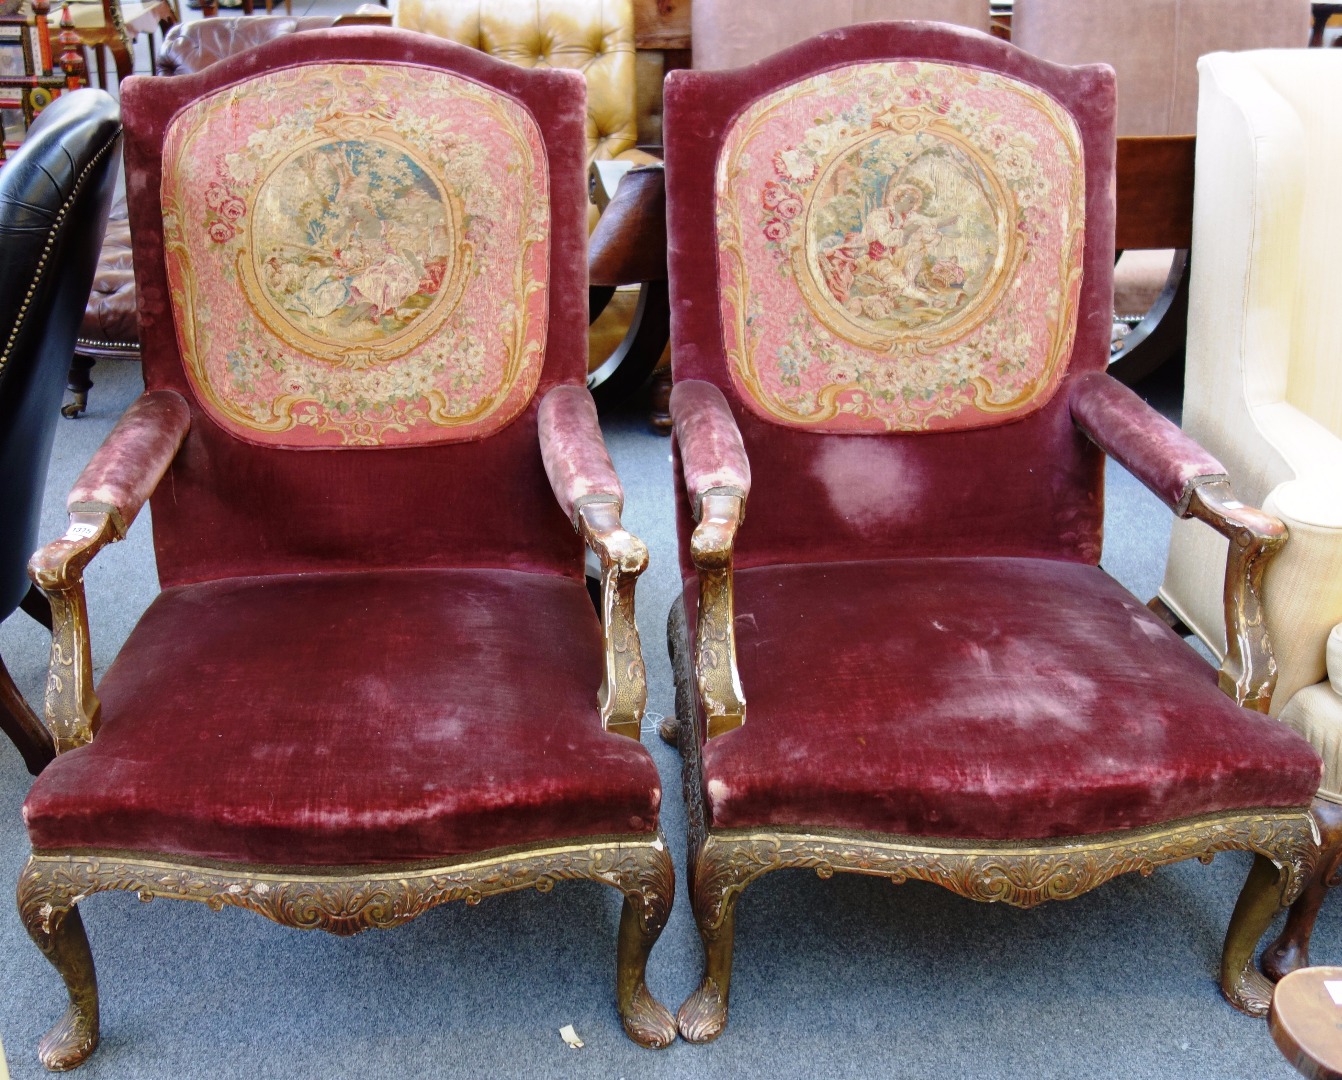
x=646, y=908
x=53, y=922
x=703, y=1016
x=1291, y=950
x=1259, y=902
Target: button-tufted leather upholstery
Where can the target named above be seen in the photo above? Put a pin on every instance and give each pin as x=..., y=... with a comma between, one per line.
x=595, y=37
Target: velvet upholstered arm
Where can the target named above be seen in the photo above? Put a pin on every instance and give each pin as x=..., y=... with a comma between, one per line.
x=1192, y=483
x=106, y=498
x=717, y=478
x=590, y=495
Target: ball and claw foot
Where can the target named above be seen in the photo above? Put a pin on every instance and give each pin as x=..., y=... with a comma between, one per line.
x=703, y=1015
x=648, y=1022
x=70, y=1042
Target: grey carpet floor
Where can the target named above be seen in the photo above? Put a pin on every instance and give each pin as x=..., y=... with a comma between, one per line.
x=848, y=977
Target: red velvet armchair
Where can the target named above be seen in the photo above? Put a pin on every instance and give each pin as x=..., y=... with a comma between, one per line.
x=891, y=260
x=373, y=681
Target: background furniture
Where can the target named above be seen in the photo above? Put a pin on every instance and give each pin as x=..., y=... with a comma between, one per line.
x=433, y=710
x=1153, y=46
x=112, y=26
x=729, y=34
x=1263, y=390
x=904, y=660
x=1306, y=1023
x=54, y=194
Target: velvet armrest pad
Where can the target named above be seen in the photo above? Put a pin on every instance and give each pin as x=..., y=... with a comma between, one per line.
x=710, y=444
x=124, y=471
x=1154, y=450
x=574, y=452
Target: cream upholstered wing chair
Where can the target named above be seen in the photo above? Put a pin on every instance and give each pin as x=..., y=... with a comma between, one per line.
x=1264, y=388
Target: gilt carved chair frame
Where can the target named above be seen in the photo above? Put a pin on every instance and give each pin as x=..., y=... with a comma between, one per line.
x=150, y=443
x=710, y=696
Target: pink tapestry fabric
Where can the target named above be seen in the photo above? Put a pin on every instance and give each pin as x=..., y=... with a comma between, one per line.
x=900, y=248
x=357, y=255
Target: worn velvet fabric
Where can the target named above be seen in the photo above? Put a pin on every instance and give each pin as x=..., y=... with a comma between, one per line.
x=230, y=508
x=1032, y=487
x=124, y=471
x=575, y=455
x=1154, y=450
x=351, y=719
x=710, y=444
x=980, y=698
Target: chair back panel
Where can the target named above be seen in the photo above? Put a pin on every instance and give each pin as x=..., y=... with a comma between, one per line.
x=733, y=33
x=874, y=481
x=349, y=274
x=900, y=248
x=1310, y=85
x=54, y=195
x=343, y=261
x=1154, y=45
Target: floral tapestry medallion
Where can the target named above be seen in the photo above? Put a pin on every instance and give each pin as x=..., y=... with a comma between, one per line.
x=355, y=246
x=357, y=255
x=900, y=248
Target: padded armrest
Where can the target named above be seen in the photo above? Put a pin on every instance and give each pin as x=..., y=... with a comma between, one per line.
x=711, y=450
x=1154, y=450
x=124, y=471
x=575, y=456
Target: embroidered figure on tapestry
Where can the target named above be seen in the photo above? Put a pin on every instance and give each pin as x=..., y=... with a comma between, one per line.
x=358, y=255
x=900, y=248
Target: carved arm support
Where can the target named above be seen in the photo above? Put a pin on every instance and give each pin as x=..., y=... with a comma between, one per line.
x=589, y=492
x=717, y=477
x=1192, y=483
x=104, y=501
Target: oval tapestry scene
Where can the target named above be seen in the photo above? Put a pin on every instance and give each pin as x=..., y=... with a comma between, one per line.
x=358, y=255
x=899, y=248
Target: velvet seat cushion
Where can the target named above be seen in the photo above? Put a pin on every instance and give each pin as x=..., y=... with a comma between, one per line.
x=993, y=698
x=346, y=719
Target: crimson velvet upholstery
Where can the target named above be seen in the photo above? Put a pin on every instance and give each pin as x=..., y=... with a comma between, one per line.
x=895, y=649
x=374, y=675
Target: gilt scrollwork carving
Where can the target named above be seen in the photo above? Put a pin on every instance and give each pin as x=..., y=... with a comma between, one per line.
x=345, y=902
x=1015, y=874
x=716, y=673
x=71, y=708
x=624, y=686
x=349, y=902
x=1249, y=671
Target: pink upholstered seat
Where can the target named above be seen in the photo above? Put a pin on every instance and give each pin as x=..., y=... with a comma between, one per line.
x=979, y=698
x=290, y=738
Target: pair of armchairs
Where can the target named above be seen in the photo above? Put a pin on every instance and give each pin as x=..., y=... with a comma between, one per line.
x=359, y=258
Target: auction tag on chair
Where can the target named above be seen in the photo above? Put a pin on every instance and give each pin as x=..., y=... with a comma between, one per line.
x=78, y=530
x=1334, y=988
